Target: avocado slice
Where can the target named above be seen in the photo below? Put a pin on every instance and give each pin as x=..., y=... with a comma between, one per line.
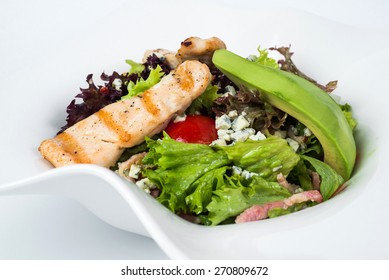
x=301, y=99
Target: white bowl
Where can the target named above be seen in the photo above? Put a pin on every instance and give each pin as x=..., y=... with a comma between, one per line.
x=351, y=225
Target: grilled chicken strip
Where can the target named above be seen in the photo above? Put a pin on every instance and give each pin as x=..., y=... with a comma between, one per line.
x=101, y=138
x=199, y=49
x=170, y=57
x=192, y=48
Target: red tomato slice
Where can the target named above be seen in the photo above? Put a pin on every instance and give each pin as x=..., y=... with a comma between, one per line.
x=194, y=129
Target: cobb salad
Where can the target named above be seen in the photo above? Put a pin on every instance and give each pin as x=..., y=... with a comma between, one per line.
x=214, y=137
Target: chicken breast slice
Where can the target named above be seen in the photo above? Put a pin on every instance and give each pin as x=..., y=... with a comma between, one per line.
x=192, y=48
x=199, y=49
x=101, y=138
x=170, y=56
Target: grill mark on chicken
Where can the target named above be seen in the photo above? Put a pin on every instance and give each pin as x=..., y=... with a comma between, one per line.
x=185, y=79
x=71, y=146
x=195, y=48
x=102, y=137
x=192, y=48
x=151, y=107
x=109, y=121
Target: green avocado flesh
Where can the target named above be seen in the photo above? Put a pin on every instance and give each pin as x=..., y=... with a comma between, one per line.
x=302, y=100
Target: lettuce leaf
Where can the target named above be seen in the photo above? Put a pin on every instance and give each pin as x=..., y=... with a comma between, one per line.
x=142, y=85
x=330, y=179
x=300, y=176
x=135, y=67
x=175, y=166
x=203, y=189
x=239, y=194
x=267, y=157
x=276, y=212
x=347, y=111
x=197, y=178
x=264, y=59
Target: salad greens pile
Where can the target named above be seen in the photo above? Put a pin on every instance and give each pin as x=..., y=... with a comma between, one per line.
x=216, y=183
x=200, y=179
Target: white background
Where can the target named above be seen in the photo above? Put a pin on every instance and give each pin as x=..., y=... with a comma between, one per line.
x=31, y=29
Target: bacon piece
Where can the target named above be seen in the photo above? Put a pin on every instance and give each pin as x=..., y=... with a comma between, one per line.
x=257, y=212
x=315, y=180
x=281, y=179
x=260, y=212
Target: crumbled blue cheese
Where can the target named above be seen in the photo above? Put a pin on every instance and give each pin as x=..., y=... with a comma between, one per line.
x=230, y=90
x=223, y=122
x=234, y=128
x=146, y=185
x=233, y=114
x=258, y=136
x=219, y=142
x=242, y=135
x=117, y=84
x=240, y=123
x=307, y=132
x=247, y=174
x=293, y=130
x=180, y=118
x=236, y=170
x=293, y=143
x=134, y=171
x=225, y=134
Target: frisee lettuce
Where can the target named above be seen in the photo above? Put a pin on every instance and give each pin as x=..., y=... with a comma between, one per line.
x=142, y=85
x=347, y=111
x=135, y=67
x=264, y=59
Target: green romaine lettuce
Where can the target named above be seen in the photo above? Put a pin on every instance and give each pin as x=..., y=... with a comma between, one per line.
x=276, y=212
x=203, y=189
x=197, y=178
x=300, y=176
x=238, y=194
x=267, y=157
x=176, y=166
x=330, y=179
